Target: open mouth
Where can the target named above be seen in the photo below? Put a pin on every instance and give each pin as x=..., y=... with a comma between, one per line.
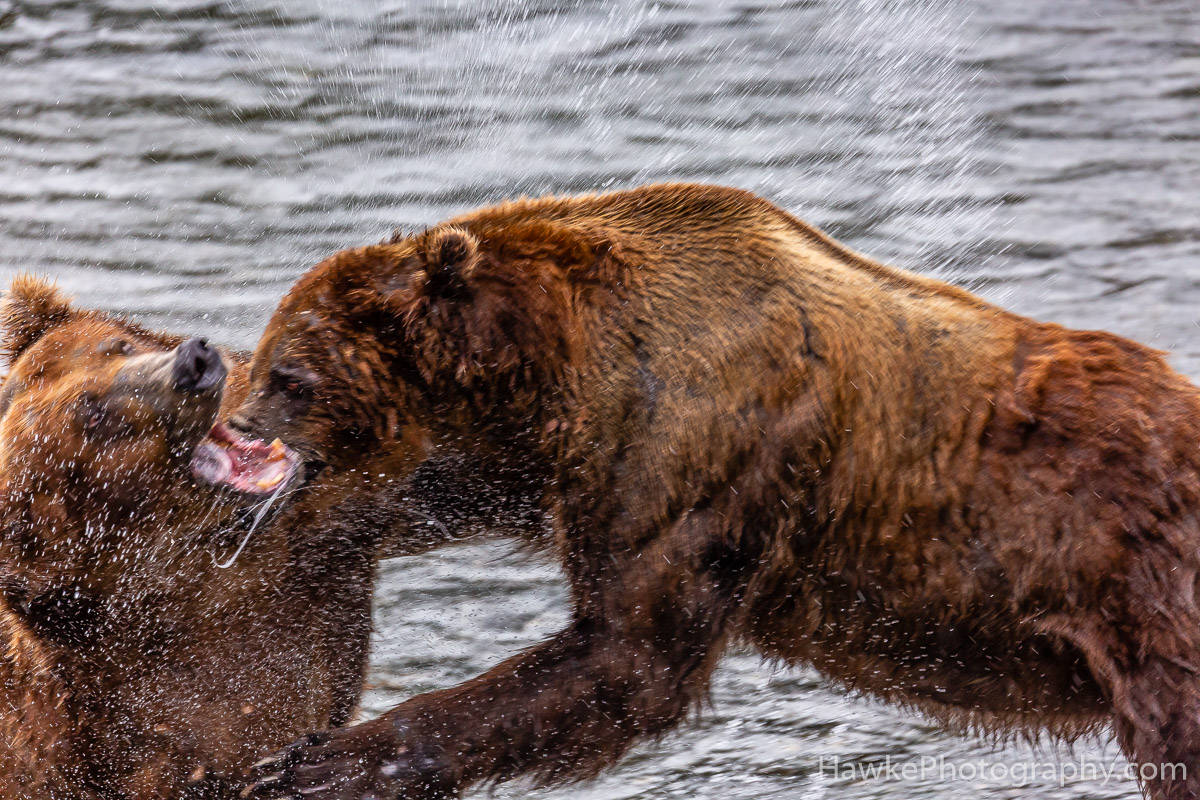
x=246, y=465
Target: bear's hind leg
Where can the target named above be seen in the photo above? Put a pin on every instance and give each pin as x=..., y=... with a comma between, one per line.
x=1157, y=721
x=1149, y=670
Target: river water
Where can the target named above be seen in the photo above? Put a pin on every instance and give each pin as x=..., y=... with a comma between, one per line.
x=184, y=162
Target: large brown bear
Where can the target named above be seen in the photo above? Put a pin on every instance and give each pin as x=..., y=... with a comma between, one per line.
x=740, y=430
x=148, y=648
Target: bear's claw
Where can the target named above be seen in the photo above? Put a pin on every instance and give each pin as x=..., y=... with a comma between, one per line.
x=362, y=762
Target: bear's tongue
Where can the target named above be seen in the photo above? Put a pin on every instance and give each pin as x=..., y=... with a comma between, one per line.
x=247, y=465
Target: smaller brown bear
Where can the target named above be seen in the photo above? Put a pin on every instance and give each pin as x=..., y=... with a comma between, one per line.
x=742, y=430
x=133, y=666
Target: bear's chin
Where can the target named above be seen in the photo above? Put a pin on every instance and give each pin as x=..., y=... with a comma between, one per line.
x=244, y=465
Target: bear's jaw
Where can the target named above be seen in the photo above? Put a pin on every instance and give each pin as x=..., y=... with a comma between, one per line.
x=245, y=465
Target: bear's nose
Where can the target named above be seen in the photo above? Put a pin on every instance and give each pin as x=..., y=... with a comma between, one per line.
x=198, y=366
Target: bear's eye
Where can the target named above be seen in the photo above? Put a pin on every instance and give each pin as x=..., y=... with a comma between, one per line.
x=103, y=421
x=115, y=347
x=93, y=414
x=291, y=384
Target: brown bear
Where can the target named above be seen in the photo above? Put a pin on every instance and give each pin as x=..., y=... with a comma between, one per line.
x=740, y=430
x=150, y=647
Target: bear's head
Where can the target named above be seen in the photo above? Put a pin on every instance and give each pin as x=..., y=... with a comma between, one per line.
x=98, y=421
x=405, y=345
x=104, y=536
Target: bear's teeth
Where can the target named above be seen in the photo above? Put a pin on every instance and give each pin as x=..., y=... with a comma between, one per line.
x=269, y=483
x=277, y=452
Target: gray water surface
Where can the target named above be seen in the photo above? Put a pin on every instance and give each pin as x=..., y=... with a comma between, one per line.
x=184, y=162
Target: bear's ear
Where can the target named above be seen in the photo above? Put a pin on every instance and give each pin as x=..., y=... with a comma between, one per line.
x=451, y=255
x=31, y=307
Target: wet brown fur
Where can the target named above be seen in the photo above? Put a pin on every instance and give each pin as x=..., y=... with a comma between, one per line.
x=130, y=665
x=742, y=430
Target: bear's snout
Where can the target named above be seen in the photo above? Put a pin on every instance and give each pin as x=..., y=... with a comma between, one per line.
x=198, y=366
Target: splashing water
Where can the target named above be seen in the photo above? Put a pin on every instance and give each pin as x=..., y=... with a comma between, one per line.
x=1044, y=153
x=259, y=515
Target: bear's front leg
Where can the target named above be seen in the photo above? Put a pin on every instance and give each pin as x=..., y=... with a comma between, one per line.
x=647, y=633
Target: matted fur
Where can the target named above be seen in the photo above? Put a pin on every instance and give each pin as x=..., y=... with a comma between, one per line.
x=35, y=721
